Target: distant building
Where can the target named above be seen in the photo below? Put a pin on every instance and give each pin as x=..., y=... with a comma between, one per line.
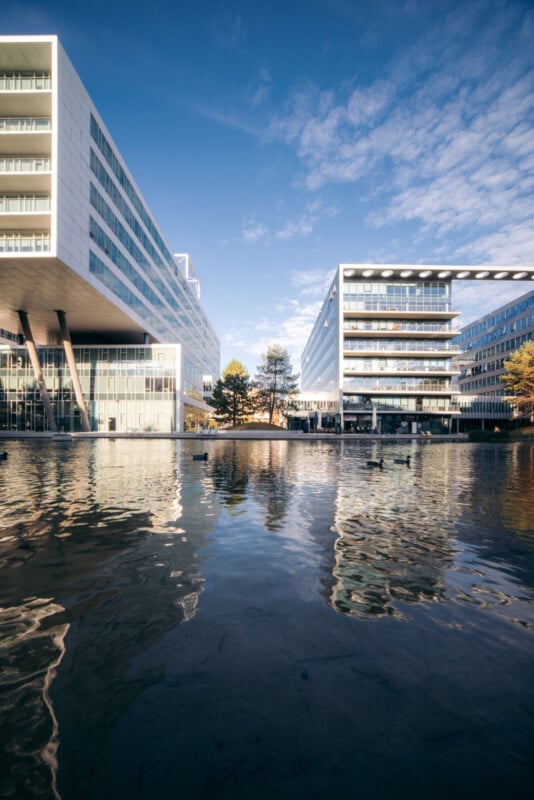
x=83, y=263
x=383, y=344
x=486, y=344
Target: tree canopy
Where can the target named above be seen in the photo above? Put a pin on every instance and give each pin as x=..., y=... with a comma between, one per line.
x=519, y=377
x=274, y=381
x=231, y=393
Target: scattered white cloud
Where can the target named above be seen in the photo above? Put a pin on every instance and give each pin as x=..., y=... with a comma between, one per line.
x=304, y=224
x=300, y=226
x=228, y=27
x=288, y=322
x=474, y=299
x=312, y=282
x=447, y=133
x=254, y=232
x=507, y=246
x=260, y=87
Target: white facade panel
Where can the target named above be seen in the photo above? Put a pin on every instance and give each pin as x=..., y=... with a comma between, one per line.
x=107, y=265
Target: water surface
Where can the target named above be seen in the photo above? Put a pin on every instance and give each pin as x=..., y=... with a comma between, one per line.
x=279, y=621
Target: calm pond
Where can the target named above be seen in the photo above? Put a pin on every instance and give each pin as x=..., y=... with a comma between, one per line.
x=279, y=621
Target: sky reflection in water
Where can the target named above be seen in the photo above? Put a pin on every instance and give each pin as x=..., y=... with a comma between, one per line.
x=275, y=553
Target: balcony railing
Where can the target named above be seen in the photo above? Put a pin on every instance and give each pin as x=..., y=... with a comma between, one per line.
x=402, y=366
x=373, y=385
x=25, y=242
x=423, y=306
x=24, y=164
x=24, y=204
x=25, y=81
x=399, y=346
x=397, y=327
x=25, y=124
x=400, y=404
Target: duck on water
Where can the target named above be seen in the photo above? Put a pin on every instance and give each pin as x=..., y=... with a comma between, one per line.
x=380, y=463
x=376, y=464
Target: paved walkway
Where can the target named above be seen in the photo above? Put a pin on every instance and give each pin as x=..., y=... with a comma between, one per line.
x=226, y=434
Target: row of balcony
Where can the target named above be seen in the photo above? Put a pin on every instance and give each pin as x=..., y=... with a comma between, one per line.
x=25, y=124
x=381, y=362
x=388, y=385
x=24, y=164
x=24, y=242
x=384, y=305
x=25, y=81
x=24, y=204
x=357, y=328
x=405, y=405
x=414, y=346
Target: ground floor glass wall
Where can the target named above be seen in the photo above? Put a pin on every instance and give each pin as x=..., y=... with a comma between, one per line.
x=134, y=388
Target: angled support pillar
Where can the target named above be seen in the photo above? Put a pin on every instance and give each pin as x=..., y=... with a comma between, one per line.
x=37, y=371
x=69, y=352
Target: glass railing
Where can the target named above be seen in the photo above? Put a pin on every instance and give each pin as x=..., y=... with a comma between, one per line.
x=397, y=365
x=26, y=242
x=24, y=164
x=397, y=327
x=25, y=82
x=396, y=385
x=398, y=345
x=25, y=124
x=430, y=306
x=404, y=404
x=24, y=204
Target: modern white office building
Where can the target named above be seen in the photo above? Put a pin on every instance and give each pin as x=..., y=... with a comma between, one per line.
x=383, y=345
x=82, y=259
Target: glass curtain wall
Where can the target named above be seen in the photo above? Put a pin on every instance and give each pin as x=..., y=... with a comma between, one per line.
x=125, y=388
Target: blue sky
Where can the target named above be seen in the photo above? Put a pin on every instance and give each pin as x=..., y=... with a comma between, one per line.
x=275, y=140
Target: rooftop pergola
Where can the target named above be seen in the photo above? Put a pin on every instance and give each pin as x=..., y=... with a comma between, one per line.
x=437, y=272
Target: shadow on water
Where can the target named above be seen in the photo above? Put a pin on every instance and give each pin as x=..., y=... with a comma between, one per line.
x=349, y=629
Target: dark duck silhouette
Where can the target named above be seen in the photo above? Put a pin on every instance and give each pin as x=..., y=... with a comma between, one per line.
x=405, y=461
x=3, y=456
x=200, y=457
x=376, y=464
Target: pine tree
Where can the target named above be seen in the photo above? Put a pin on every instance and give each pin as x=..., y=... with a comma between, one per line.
x=274, y=381
x=231, y=394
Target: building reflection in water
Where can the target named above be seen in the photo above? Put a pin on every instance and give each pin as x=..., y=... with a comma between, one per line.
x=30, y=651
x=102, y=546
x=99, y=558
x=403, y=533
x=393, y=535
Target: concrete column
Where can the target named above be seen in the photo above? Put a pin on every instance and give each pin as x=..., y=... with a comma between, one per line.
x=69, y=352
x=37, y=371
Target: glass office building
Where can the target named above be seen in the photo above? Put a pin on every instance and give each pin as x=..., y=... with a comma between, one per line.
x=384, y=346
x=489, y=341
x=82, y=259
x=127, y=388
x=485, y=345
x=384, y=342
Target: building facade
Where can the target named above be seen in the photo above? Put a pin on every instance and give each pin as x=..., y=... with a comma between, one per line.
x=126, y=388
x=82, y=259
x=485, y=345
x=383, y=345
